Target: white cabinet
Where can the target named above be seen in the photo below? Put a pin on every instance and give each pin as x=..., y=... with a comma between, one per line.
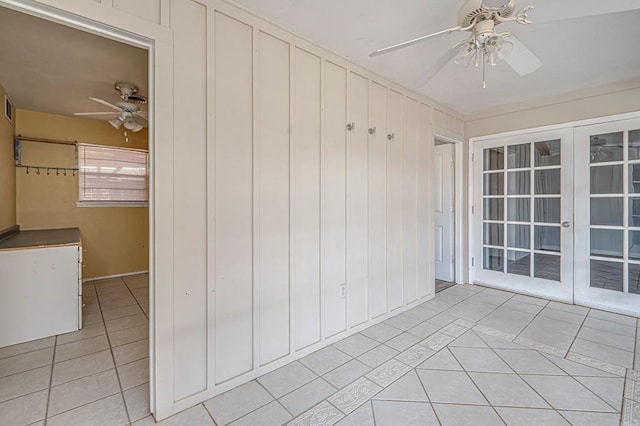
x=40, y=293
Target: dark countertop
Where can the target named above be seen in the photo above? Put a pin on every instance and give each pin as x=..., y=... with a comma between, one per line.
x=41, y=238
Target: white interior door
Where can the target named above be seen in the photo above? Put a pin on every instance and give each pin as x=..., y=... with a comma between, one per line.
x=608, y=223
x=523, y=213
x=443, y=202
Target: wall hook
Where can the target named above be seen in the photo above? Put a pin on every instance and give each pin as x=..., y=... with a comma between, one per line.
x=351, y=126
x=38, y=171
x=391, y=136
x=65, y=172
x=372, y=130
x=57, y=171
x=47, y=171
x=27, y=170
x=74, y=172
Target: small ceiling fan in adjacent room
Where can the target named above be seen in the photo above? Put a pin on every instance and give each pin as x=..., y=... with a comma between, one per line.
x=127, y=112
x=485, y=46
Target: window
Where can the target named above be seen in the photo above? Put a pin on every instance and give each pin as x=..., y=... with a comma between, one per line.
x=112, y=175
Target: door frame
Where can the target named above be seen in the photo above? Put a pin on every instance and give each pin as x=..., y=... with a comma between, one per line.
x=458, y=207
x=157, y=40
x=471, y=211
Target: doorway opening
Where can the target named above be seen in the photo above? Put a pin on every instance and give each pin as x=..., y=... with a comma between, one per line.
x=115, y=302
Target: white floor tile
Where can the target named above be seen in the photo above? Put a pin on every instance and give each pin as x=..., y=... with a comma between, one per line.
x=403, y=341
x=450, y=387
x=363, y=416
x=82, y=391
x=323, y=414
x=134, y=374
x=121, y=312
x=356, y=345
x=402, y=322
x=442, y=360
x=129, y=335
x=286, y=379
x=81, y=347
x=305, y=397
x=466, y=415
x=325, y=360
x=602, y=352
x=137, y=401
x=392, y=413
x=610, y=316
x=271, y=414
x=609, y=339
x=507, y=390
x=195, y=416
x=24, y=362
x=123, y=323
x=24, y=383
x=565, y=393
x=91, y=330
x=22, y=348
x=406, y=388
x=530, y=417
x=83, y=366
x=25, y=409
x=423, y=330
x=469, y=340
x=130, y=352
x=481, y=360
x=528, y=362
x=109, y=411
x=381, y=332
x=377, y=355
x=347, y=373
x=237, y=402
x=609, y=389
x=583, y=418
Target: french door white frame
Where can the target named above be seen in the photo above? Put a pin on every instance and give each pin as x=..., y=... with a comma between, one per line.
x=475, y=210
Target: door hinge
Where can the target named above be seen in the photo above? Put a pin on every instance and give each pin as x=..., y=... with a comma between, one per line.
x=473, y=261
x=472, y=210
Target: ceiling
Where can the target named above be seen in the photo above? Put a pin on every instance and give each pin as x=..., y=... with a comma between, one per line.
x=52, y=68
x=582, y=44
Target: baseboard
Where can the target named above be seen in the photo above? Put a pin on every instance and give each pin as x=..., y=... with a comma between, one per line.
x=126, y=274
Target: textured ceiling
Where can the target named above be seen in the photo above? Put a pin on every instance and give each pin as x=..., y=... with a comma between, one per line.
x=582, y=44
x=52, y=68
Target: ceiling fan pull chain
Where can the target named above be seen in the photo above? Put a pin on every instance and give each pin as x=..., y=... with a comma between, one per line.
x=484, y=63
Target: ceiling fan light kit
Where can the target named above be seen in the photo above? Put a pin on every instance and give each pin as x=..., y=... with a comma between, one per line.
x=486, y=45
x=127, y=111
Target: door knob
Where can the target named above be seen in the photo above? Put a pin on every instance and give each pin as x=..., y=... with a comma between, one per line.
x=566, y=224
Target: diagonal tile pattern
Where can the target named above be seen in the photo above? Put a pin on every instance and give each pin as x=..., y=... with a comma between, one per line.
x=471, y=356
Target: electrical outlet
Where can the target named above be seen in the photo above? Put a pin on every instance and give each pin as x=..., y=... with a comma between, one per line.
x=343, y=291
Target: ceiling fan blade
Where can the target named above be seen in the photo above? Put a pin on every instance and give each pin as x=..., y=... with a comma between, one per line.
x=521, y=59
x=412, y=42
x=142, y=114
x=554, y=10
x=96, y=113
x=434, y=69
x=103, y=102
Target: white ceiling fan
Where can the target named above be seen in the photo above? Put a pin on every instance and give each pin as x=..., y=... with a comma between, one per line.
x=127, y=112
x=486, y=45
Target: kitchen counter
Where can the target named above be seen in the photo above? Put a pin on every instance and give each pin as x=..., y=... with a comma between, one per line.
x=41, y=238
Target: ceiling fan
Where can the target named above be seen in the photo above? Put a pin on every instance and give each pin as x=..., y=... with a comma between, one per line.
x=485, y=45
x=127, y=112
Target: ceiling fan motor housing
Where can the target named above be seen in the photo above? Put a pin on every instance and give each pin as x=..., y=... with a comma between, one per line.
x=476, y=10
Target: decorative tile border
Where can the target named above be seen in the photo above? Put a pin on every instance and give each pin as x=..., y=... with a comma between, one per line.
x=415, y=355
x=388, y=372
x=437, y=341
x=323, y=414
x=630, y=413
x=596, y=363
x=495, y=333
x=551, y=350
x=632, y=386
x=464, y=323
x=354, y=395
x=454, y=329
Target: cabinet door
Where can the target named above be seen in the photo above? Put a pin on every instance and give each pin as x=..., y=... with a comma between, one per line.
x=410, y=199
x=395, y=291
x=357, y=196
x=378, y=200
x=334, y=199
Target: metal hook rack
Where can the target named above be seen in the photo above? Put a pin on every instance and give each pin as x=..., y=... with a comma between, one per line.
x=18, y=155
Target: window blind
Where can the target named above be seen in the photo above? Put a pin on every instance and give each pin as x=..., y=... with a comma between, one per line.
x=112, y=174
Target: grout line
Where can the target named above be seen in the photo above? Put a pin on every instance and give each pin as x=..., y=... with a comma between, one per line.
x=53, y=359
x=135, y=298
x=209, y=413
x=576, y=336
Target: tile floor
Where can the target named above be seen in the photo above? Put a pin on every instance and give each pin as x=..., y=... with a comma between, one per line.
x=472, y=355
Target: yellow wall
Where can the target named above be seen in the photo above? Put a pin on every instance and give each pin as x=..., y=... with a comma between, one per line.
x=115, y=238
x=7, y=167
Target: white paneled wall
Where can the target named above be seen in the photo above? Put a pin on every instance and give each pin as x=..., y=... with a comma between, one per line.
x=278, y=230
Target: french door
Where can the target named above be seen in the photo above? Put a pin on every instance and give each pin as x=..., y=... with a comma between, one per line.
x=607, y=234
x=557, y=214
x=523, y=212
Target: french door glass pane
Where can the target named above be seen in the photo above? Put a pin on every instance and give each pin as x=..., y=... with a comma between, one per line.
x=493, y=259
x=494, y=209
x=519, y=263
x=519, y=183
x=493, y=234
x=606, y=242
x=634, y=178
x=606, y=147
x=607, y=211
x=547, y=153
x=607, y=275
x=547, y=210
x=547, y=181
x=546, y=266
x=634, y=278
x=518, y=236
x=493, y=158
x=634, y=212
x=606, y=179
x=634, y=145
x=634, y=245
x=518, y=156
x=547, y=238
x=519, y=209
x=494, y=183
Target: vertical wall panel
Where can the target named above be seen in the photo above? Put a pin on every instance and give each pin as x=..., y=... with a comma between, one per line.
x=410, y=207
x=334, y=198
x=305, y=216
x=395, y=287
x=145, y=9
x=425, y=260
x=233, y=216
x=189, y=24
x=378, y=201
x=272, y=233
x=357, y=205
